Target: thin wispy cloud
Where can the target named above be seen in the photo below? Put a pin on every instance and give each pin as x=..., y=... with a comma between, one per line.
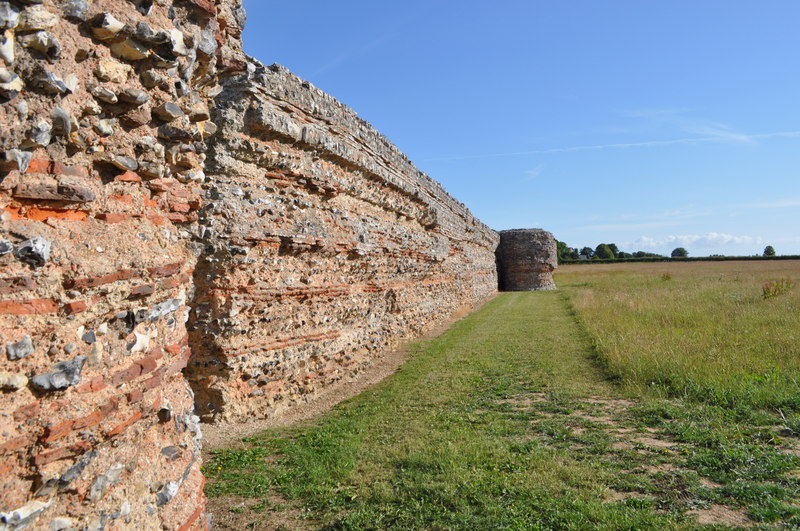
x=683, y=216
x=533, y=173
x=779, y=203
x=687, y=212
x=682, y=120
x=678, y=120
x=701, y=241
x=605, y=227
x=721, y=133
x=626, y=145
x=656, y=114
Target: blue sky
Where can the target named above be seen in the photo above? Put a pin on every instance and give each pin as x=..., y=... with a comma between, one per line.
x=649, y=124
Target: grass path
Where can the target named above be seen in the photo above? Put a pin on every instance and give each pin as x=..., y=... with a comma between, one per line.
x=505, y=421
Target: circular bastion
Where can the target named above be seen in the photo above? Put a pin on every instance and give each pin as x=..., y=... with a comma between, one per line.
x=526, y=259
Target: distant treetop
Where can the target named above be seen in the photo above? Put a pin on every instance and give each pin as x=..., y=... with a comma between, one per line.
x=604, y=252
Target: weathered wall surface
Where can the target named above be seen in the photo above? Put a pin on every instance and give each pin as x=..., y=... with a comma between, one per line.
x=163, y=202
x=325, y=246
x=105, y=112
x=526, y=259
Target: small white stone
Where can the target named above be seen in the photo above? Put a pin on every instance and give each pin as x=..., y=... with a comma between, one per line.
x=142, y=343
x=12, y=381
x=25, y=515
x=7, y=47
x=107, y=27
x=71, y=82
x=36, y=18
x=22, y=109
x=178, y=44
x=41, y=41
x=103, y=94
x=92, y=108
x=111, y=70
x=10, y=81
x=130, y=50
x=59, y=524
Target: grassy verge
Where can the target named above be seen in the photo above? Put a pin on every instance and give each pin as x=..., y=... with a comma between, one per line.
x=701, y=331
x=509, y=421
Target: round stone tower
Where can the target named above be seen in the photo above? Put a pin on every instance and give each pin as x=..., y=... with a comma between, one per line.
x=526, y=259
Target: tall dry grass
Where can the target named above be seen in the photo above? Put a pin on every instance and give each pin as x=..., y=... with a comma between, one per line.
x=703, y=330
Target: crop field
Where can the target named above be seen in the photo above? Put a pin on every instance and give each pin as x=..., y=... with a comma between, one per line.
x=637, y=396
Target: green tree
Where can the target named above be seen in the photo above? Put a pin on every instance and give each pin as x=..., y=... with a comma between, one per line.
x=588, y=252
x=769, y=250
x=565, y=252
x=679, y=252
x=614, y=249
x=642, y=254
x=562, y=251
x=604, y=252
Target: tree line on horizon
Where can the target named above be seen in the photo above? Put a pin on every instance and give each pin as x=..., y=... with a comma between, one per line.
x=610, y=251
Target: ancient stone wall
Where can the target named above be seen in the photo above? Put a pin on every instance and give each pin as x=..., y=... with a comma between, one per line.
x=526, y=259
x=165, y=201
x=105, y=116
x=325, y=246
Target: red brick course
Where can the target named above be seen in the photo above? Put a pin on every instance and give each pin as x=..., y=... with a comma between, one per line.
x=29, y=307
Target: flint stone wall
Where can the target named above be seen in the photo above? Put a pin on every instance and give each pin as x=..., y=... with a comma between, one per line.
x=104, y=106
x=165, y=201
x=324, y=247
x=526, y=259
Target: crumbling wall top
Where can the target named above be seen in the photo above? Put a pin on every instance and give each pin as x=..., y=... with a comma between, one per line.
x=278, y=101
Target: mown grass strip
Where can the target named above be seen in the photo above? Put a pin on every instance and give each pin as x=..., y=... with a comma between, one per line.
x=439, y=444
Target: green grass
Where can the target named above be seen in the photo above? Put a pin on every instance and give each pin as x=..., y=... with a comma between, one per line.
x=697, y=330
x=435, y=445
x=521, y=417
